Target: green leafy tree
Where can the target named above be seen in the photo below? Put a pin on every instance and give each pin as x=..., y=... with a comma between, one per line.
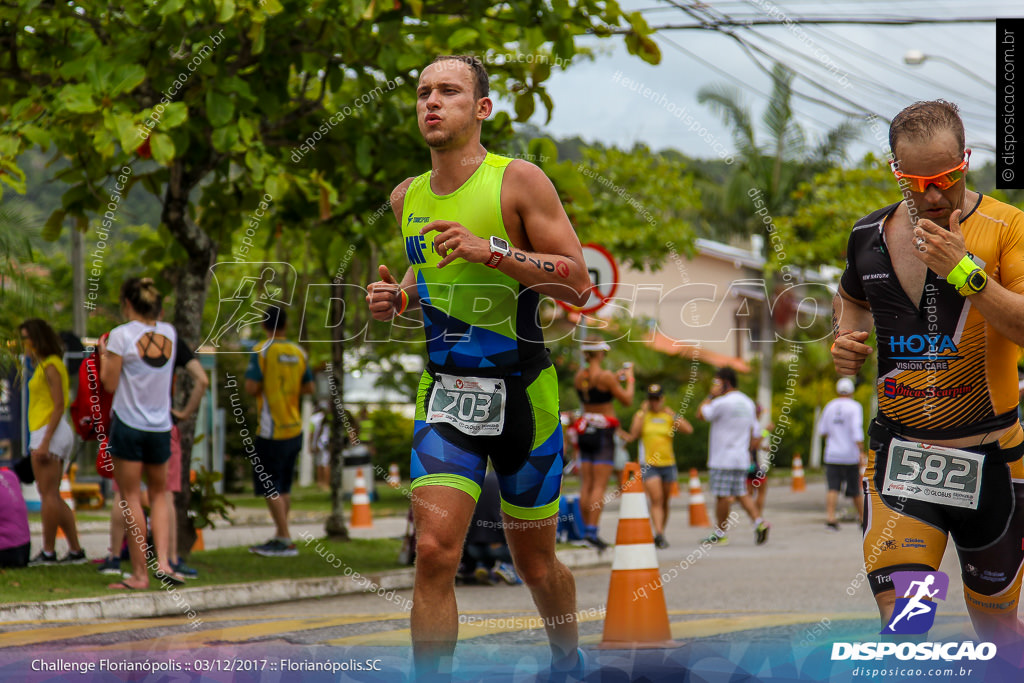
x=768, y=172
x=635, y=202
x=224, y=94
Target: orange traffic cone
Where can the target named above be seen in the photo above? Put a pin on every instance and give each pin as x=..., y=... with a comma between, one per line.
x=698, y=509
x=362, y=518
x=637, y=616
x=799, y=484
x=394, y=477
x=199, y=545
x=673, y=490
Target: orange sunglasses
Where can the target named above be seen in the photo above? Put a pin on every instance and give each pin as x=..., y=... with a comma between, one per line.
x=943, y=181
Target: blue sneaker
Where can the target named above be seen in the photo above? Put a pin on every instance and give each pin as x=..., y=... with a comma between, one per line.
x=181, y=568
x=507, y=573
x=110, y=565
x=577, y=673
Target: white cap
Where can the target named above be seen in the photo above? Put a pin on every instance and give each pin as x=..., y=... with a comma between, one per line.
x=595, y=345
x=844, y=386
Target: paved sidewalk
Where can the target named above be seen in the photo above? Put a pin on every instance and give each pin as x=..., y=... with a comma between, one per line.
x=94, y=537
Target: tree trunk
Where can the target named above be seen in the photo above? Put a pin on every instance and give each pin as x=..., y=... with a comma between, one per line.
x=335, y=524
x=190, y=295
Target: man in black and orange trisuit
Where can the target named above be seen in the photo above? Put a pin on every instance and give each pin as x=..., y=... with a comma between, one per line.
x=940, y=276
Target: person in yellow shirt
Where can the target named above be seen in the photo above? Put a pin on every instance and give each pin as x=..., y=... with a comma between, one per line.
x=278, y=375
x=51, y=439
x=656, y=424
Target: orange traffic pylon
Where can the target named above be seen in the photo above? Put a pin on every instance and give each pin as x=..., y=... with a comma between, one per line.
x=636, y=616
x=362, y=518
x=394, y=477
x=673, y=490
x=799, y=483
x=698, y=508
x=199, y=545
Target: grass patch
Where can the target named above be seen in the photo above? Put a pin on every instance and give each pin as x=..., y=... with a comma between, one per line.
x=80, y=516
x=311, y=499
x=216, y=567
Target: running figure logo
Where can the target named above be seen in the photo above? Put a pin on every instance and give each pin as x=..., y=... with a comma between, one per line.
x=914, y=613
x=241, y=312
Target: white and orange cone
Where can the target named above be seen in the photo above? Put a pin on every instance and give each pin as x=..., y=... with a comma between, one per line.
x=362, y=518
x=799, y=483
x=698, y=508
x=394, y=477
x=637, y=616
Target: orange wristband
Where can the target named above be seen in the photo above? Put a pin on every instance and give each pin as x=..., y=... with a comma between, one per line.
x=405, y=302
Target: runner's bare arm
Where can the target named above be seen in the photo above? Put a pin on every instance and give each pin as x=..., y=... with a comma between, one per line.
x=852, y=324
x=548, y=258
x=383, y=297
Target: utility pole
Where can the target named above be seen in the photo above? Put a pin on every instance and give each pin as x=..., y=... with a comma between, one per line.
x=77, y=282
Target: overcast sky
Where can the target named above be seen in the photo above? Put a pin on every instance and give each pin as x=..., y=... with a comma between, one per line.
x=861, y=63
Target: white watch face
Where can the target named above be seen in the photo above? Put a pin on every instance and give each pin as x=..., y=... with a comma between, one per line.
x=499, y=246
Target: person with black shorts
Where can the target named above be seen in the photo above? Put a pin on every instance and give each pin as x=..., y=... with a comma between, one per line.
x=138, y=368
x=278, y=375
x=940, y=278
x=598, y=389
x=842, y=424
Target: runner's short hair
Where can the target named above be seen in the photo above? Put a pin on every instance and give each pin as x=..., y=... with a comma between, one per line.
x=276, y=319
x=921, y=120
x=481, y=81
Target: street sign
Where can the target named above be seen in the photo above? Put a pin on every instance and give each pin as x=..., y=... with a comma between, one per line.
x=604, y=274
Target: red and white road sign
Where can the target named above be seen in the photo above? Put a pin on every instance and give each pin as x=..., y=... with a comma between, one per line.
x=604, y=274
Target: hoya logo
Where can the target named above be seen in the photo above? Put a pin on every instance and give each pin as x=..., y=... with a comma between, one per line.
x=947, y=652
x=922, y=343
x=915, y=612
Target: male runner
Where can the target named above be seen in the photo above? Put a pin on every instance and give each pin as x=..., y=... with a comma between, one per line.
x=485, y=236
x=940, y=275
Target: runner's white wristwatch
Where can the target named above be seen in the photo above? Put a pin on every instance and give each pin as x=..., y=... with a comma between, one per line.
x=499, y=250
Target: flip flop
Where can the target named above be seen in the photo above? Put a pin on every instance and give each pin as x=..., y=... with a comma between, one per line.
x=122, y=586
x=173, y=579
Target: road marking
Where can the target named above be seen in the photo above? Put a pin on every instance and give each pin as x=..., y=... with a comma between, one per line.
x=54, y=633
x=232, y=634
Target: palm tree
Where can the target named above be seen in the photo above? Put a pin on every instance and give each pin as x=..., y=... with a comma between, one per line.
x=776, y=167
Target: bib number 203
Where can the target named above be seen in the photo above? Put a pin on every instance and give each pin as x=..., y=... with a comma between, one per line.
x=471, y=407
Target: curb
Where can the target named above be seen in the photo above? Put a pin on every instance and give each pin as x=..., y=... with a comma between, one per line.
x=176, y=601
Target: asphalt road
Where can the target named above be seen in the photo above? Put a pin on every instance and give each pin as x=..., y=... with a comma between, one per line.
x=769, y=610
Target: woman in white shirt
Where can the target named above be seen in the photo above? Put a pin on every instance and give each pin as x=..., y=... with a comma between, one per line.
x=138, y=368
